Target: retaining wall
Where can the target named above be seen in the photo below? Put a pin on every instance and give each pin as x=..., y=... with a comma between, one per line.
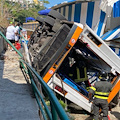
x=3, y=43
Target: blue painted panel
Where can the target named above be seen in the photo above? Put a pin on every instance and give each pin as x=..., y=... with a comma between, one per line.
x=64, y=11
x=119, y=52
x=116, y=9
x=90, y=11
x=117, y=36
x=69, y=12
x=113, y=49
x=59, y=10
x=102, y=18
x=108, y=34
x=77, y=12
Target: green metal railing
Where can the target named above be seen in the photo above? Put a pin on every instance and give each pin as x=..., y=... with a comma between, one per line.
x=11, y=44
x=55, y=110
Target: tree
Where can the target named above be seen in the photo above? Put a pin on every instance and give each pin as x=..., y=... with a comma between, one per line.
x=6, y=11
x=11, y=11
x=27, y=12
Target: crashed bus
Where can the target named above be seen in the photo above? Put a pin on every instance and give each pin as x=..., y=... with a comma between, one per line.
x=69, y=57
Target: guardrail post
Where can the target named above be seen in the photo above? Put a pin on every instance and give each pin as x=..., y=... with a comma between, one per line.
x=53, y=111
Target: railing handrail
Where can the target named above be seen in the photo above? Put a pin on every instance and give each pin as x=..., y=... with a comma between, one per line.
x=11, y=44
x=58, y=108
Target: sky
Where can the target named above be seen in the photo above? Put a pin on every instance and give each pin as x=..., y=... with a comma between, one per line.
x=53, y=2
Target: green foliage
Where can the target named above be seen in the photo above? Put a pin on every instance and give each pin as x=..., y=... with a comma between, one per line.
x=19, y=12
x=47, y=103
x=47, y=2
x=30, y=12
x=62, y=103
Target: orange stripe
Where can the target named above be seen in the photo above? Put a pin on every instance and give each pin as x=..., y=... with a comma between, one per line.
x=99, y=45
x=75, y=36
x=114, y=80
x=114, y=91
x=49, y=74
x=72, y=41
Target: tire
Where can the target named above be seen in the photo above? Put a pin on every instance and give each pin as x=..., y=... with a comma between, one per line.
x=49, y=20
x=55, y=14
x=40, y=20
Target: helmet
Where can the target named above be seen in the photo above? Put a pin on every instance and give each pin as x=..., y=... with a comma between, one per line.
x=103, y=75
x=11, y=22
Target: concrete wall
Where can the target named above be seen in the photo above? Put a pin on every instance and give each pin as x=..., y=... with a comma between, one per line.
x=3, y=43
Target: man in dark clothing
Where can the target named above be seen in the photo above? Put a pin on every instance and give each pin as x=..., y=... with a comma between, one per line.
x=100, y=90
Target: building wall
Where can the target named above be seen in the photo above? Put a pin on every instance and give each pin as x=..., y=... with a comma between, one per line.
x=30, y=25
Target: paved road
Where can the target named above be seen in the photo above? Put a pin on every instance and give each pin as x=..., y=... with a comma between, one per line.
x=16, y=102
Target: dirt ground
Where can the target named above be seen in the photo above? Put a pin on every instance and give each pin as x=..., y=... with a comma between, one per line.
x=83, y=115
x=13, y=58
x=114, y=114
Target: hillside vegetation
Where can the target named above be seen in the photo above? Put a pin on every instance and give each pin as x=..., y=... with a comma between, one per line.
x=17, y=12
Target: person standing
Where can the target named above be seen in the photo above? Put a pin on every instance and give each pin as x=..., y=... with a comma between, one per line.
x=100, y=90
x=17, y=33
x=10, y=34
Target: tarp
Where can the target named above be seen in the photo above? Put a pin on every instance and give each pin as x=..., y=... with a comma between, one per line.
x=29, y=18
x=44, y=12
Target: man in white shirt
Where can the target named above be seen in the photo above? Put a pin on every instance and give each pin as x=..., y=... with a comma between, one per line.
x=10, y=34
